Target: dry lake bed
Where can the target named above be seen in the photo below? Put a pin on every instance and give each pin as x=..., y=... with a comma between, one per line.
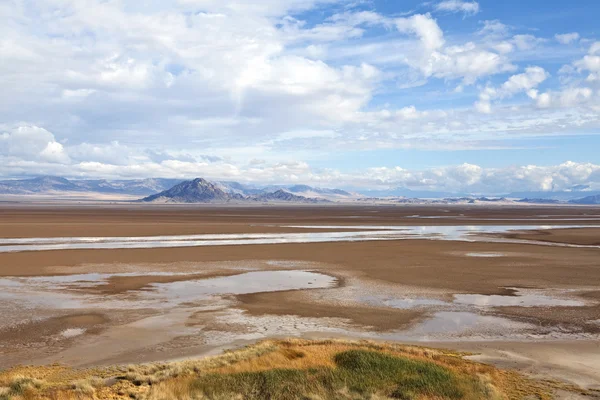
x=108, y=284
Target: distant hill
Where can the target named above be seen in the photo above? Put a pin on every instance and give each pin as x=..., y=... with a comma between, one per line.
x=38, y=185
x=412, y=194
x=197, y=191
x=587, y=200
x=56, y=184
x=139, y=187
x=205, y=191
x=539, y=201
x=323, y=193
x=284, y=196
x=300, y=190
x=564, y=195
x=200, y=190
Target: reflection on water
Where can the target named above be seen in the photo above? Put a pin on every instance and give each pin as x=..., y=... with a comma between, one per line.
x=528, y=298
x=350, y=233
x=72, y=332
x=63, y=292
x=520, y=298
x=203, y=309
x=485, y=255
x=403, y=303
x=250, y=282
x=459, y=322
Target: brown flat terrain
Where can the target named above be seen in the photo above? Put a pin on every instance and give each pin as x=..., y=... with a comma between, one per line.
x=141, y=220
x=115, y=318
x=590, y=236
x=420, y=263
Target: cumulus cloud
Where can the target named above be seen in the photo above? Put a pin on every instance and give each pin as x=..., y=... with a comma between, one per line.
x=466, y=7
x=590, y=63
x=465, y=177
x=524, y=82
x=426, y=29
x=33, y=143
x=566, y=38
x=475, y=179
x=565, y=98
x=467, y=61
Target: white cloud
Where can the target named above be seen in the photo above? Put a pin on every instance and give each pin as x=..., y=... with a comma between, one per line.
x=473, y=178
x=425, y=28
x=458, y=178
x=30, y=142
x=531, y=78
x=527, y=42
x=566, y=38
x=590, y=63
x=494, y=29
x=504, y=47
x=565, y=98
x=524, y=82
x=467, y=61
x=466, y=7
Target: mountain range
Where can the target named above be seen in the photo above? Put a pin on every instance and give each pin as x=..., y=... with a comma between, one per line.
x=595, y=199
x=54, y=184
x=202, y=190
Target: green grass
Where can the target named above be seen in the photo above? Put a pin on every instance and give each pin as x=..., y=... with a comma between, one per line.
x=18, y=387
x=359, y=374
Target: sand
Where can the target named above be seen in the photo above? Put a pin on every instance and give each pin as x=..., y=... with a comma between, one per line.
x=432, y=268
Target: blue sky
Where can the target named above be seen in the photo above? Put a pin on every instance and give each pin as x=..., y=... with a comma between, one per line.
x=452, y=95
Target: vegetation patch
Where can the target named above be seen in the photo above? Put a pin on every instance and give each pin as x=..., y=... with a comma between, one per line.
x=281, y=370
x=357, y=374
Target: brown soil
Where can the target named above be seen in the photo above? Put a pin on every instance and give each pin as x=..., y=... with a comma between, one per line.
x=144, y=220
x=47, y=329
x=580, y=236
x=426, y=266
x=295, y=303
x=122, y=284
x=420, y=263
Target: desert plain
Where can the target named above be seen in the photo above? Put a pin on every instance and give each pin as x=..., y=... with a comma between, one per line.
x=102, y=284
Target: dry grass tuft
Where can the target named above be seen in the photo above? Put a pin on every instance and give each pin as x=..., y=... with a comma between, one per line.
x=285, y=369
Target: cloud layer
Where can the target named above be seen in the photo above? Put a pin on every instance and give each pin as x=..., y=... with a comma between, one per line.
x=256, y=90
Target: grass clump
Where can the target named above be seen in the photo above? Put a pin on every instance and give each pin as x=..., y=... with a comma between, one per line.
x=291, y=369
x=356, y=374
x=367, y=372
x=20, y=386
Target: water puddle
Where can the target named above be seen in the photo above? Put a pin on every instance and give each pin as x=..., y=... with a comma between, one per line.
x=460, y=302
x=72, y=332
x=59, y=292
x=146, y=242
x=250, y=282
x=403, y=303
x=448, y=325
x=485, y=255
x=347, y=234
x=520, y=299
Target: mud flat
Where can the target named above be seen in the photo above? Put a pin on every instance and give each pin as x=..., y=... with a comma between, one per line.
x=132, y=284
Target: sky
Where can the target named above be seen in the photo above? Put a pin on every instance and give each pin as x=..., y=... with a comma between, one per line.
x=444, y=95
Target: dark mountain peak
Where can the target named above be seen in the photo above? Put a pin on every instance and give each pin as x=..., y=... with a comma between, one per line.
x=198, y=190
x=201, y=190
